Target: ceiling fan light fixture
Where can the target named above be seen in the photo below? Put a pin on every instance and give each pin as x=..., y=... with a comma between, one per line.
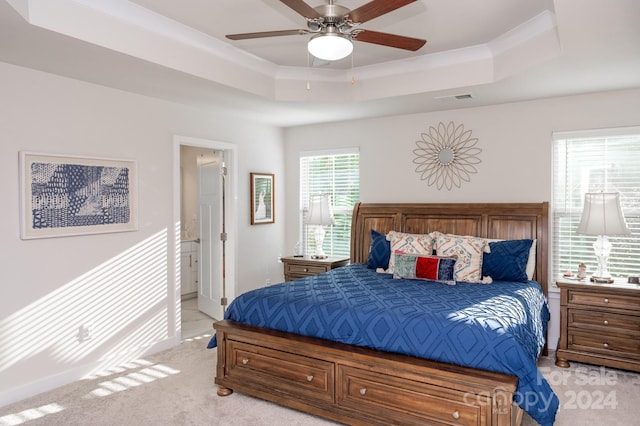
x=330, y=46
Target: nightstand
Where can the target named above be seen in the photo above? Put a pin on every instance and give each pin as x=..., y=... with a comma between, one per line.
x=599, y=324
x=299, y=267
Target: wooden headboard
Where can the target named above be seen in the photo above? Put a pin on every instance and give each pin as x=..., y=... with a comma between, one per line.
x=508, y=221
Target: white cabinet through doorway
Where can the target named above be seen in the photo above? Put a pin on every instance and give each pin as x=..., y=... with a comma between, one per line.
x=189, y=268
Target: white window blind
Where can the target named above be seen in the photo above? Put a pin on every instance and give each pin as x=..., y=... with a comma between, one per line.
x=595, y=161
x=336, y=173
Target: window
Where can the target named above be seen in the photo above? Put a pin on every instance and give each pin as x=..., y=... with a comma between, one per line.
x=594, y=161
x=336, y=173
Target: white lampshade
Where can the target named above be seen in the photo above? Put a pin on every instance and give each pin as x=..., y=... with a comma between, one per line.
x=320, y=212
x=330, y=46
x=602, y=215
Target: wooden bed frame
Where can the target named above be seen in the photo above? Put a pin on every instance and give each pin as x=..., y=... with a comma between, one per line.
x=355, y=385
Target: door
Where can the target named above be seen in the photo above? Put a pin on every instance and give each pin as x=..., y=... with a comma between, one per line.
x=210, y=280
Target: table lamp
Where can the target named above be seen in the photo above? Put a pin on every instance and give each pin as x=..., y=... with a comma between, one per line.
x=602, y=216
x=320, y=214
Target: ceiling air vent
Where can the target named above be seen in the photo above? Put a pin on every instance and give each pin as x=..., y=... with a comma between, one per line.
x=459, y=97
x=463, y=96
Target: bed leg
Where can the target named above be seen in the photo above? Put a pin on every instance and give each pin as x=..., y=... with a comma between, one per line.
x=222, y=391
x=562, y=362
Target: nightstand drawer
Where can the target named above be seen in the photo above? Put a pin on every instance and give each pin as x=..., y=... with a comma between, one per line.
x=300, y=267
x=603, y=343
x=604, y=321
x=607, y=300
x=302, y=270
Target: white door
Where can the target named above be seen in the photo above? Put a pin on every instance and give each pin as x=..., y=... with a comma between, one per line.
x=210, y=212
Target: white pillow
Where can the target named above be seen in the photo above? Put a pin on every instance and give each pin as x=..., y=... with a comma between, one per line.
x=531, y=262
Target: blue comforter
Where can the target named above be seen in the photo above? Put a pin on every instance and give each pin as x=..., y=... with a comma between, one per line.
x=498, y=327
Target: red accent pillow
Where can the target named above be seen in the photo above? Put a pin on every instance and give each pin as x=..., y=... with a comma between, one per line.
x=424, y=267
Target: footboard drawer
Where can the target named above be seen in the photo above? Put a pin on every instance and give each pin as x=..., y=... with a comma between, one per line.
x=281, y=371
x=409, y=402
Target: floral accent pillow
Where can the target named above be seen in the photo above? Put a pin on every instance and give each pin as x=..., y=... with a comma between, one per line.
x=468, y=250
x=410, y=243
x=424, y=267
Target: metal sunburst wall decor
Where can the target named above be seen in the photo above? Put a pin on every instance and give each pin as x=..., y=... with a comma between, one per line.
x=446, y=155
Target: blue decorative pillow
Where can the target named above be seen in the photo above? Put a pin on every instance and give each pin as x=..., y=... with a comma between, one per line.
x=507, y=260
x=380, y=251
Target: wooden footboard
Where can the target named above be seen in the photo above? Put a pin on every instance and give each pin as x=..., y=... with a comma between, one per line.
x=359, y=386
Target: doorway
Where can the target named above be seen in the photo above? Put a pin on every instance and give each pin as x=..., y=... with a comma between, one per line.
x=206, y=231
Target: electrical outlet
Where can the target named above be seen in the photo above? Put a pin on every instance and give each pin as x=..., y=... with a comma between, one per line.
x=85, y=332
x=267, y=281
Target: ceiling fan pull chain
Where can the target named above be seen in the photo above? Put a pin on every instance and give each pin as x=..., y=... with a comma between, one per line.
x=309, y=69
x=353, y=76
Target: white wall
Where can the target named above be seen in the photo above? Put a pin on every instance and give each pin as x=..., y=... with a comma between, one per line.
x=516, y=153
x=121, y=284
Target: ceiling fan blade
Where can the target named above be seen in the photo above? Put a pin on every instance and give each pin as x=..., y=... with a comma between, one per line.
x=376, y=8
x=245, y=36
x=302, y=8
x=391, y=40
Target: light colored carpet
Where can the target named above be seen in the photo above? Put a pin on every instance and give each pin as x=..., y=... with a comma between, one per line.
x=176, y=387
x=592, y=395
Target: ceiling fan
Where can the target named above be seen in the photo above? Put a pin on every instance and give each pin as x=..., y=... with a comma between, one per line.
x=334, y=27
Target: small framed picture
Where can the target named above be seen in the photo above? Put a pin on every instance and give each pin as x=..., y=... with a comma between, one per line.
x=262, y=198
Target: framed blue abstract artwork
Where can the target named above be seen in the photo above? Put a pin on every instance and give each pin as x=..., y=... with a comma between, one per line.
x=63, y=195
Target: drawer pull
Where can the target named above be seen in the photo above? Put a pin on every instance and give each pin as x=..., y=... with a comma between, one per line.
x=606, y=345
x=606, y=322
x=363, y=391
x=455, y=414
x=606, y=300
x=309, y=378
x=306, y=269
x=245, y=361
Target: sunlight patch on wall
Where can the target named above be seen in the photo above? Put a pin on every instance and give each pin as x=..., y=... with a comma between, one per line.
x=110, y=314
x=177, y=230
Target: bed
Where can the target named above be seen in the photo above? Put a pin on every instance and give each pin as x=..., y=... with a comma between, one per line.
x=324, y=363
